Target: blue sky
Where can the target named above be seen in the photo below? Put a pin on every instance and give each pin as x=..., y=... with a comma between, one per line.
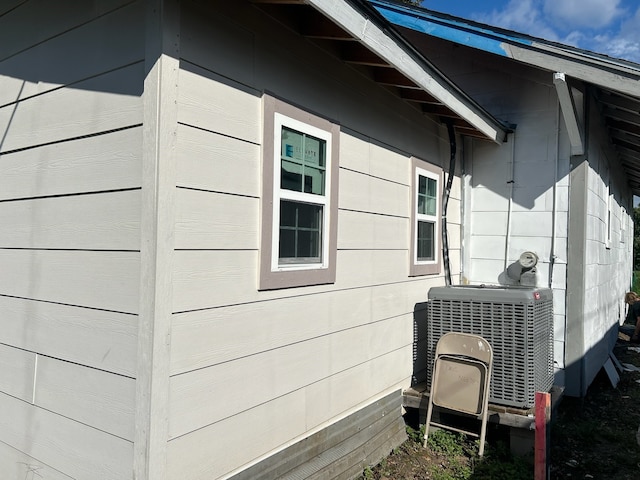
x=611, y=27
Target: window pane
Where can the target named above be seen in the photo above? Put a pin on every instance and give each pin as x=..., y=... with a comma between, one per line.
x=292, y=144
x=303, y=162
x=314, y=181
x=422, y=185
x=290, y=175
x=427, y=195
x=300, y=232
x=431, y=206
x=426, y=241
x=314, y=151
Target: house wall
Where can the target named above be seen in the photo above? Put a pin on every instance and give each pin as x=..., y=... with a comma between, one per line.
x=517, y=195
x=69, y=244
x=263, y=369
x=518, y=199
x=608, y=247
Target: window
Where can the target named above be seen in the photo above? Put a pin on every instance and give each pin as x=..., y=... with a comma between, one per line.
x=299, y=203
x=425, y=219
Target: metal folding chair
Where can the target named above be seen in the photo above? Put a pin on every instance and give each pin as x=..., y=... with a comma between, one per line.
x=460, y=380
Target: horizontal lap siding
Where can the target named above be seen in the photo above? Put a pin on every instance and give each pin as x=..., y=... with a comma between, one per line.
x=78, y=450
x=96, y=338
x=274, y=423
x=102, y=221
x=94, y=164
x=308, y=355
x=277, y=372
x=70, y=177
x=252, y=328
x=18, y=465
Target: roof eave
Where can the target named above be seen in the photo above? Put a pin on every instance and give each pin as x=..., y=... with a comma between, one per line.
x=381, y=38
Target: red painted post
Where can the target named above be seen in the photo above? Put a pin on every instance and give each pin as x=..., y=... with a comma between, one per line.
x=543, y=416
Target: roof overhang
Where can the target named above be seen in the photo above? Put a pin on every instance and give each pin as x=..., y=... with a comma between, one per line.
x=363, y=38
x=614, y=82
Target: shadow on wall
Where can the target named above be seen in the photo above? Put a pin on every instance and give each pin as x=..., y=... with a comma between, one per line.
x=420, y=345
x=578, y=373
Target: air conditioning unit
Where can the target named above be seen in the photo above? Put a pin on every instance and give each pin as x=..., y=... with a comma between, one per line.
x=516, y=321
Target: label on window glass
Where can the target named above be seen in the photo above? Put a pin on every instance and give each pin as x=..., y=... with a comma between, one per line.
x=301, y=147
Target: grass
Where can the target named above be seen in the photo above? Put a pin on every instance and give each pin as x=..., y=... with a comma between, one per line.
x=591, y=437
x=449, y=456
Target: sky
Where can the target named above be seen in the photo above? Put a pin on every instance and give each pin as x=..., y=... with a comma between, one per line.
x=611, y=27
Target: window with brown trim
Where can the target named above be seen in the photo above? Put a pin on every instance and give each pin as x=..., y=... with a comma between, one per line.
x=426, y=227
x=299, y=197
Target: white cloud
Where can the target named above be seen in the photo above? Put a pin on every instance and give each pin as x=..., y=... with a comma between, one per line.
x=586, y=24
x=592, y=14
x=622, y=44
x=595, y=25
x=523, y=16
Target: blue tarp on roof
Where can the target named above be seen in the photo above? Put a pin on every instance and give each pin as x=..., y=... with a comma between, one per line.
x=483, y=37
x=448, y=28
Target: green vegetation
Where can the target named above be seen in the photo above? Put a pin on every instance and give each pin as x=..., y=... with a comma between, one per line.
x=635, y=285
x=449, y=456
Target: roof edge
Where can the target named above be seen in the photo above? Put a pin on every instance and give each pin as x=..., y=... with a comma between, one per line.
x=370, y=28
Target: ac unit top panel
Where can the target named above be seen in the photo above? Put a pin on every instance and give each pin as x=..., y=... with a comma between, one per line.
x=484, y=293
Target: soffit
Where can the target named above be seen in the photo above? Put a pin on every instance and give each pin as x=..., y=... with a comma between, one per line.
x=306, y=20
x=615, y=83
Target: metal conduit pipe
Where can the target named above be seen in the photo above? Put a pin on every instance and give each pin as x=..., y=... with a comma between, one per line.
x=445, y=201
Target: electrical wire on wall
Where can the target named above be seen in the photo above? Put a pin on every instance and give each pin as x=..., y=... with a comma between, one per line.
x=445, y=201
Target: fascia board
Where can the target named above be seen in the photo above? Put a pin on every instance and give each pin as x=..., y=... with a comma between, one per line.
x=610, y=73
x=611, y=77
x=373, y=37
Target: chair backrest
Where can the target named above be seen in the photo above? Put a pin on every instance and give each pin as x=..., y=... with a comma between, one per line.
x=465, y=344
x=461, y=377
x=461, y=372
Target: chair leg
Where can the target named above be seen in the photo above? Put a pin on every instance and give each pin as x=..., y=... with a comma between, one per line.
x=483, y=433
x=428, y=421
x=485, y=414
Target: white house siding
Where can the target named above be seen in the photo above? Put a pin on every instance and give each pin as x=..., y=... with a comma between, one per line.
x=512, y=199
x=254, y=371
x=608, y=261
x=70, y=142
x=495, y=238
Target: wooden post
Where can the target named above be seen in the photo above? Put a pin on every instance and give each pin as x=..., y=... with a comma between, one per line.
x=543, y=416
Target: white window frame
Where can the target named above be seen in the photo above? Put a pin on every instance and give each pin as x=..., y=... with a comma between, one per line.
x=279, y=194
x=420, y=172
x=425, y=267
x=271, y=273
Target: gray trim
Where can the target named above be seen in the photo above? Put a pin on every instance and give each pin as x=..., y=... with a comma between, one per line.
x=160, y=116
x=269, y=280
x=576, y=384
x=341, y=450
x=433, y=269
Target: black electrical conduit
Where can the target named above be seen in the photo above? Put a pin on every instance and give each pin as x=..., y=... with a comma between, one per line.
x=445, y=201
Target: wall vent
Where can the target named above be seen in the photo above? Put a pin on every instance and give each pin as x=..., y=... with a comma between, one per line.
x=516, y=321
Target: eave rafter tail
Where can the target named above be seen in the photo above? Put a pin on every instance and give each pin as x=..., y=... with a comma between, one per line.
x=569, y=114
x=419, y=73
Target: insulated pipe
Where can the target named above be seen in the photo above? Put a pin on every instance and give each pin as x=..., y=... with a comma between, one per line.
x=445, y=201
x=510, y=182
x=554, y=214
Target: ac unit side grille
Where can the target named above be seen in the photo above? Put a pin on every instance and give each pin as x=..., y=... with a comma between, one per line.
x=518, y=326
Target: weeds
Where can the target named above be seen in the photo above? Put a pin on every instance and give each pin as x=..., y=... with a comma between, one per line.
x=449, y=456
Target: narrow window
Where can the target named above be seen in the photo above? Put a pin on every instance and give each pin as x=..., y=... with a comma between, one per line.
x=299, y=204
x=302, y=195
x=425, y=218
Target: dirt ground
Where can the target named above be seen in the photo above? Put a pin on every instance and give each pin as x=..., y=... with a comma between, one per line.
x=591, y=438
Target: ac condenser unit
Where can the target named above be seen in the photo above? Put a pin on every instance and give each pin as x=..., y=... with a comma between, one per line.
x=516, y=321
